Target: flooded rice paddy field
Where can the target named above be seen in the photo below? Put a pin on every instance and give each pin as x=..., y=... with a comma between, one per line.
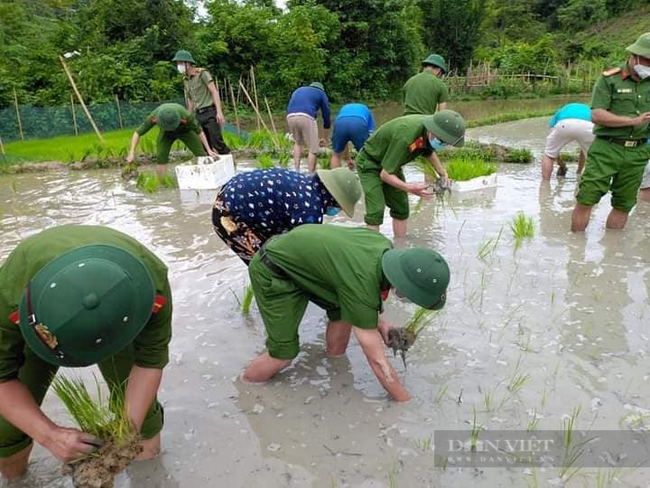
x=527, y=335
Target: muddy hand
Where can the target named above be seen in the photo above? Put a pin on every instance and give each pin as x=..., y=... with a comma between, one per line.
x=71, y=444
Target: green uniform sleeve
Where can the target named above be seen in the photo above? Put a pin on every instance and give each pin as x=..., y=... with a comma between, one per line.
x=13, y=280
x=146, y=125
x=602, y=95
x=444, y=94
x=206, y=77
x=193, y=124
x=356, y=312
x=397, y=154
x=151, y=347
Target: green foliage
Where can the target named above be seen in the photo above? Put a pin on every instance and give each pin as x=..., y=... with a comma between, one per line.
x=233, y=141
x=519, y=156
x=457, y=28
x=151, y=182
x=508, y=117
x=465, y=168
x=418, y=321
x=523, y=228
x=247, y=300
x=283, y=160
x=578, y=14
x=325, y=161
x=104, y=418
x=265, y=161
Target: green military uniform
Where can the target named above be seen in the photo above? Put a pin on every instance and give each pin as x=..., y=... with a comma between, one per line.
x=395, y=144
x=188, y=131
x=618, y=155
x=423, y=92
x=197, y=88
x=337, y=268
x=17, y=361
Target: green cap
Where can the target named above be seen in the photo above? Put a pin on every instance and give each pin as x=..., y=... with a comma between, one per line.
x=641, y=47
x=448, y=125
x=436, y=60
x=343, y=185
x=167, y=117
x=421, y=274
x=317, y=84
x=183, y=56
x=86, y=305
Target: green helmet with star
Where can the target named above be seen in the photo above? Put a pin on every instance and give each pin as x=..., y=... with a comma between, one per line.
x=86, y=305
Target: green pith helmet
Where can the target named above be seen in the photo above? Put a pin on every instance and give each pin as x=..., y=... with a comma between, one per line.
x=86, y=305
x=167, y=117
x=421, y=274
x=448, y=125
x=343, y=185
x=181, y=56
x=317, y=84
x=641, y=47
x=436, y=60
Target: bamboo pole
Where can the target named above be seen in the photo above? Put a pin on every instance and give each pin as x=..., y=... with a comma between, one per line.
x=119, y=111
x=20, y=123
x=257, y=105
x=74, y=115
x=234, y=106
x=268, y=108
x=259, y=117
x=80, y=98
x=2, y=147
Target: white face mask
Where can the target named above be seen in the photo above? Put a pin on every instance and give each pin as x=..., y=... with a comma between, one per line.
x=181, y=68
x=642, y=72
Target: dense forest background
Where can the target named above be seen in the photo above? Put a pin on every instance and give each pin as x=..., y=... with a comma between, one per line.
x=360, y=49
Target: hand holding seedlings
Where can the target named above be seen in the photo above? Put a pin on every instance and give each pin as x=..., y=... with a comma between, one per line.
x=68, y=445
x=420, y=189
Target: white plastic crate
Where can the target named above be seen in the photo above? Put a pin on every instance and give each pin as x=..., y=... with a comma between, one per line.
x=481, y=183
x=206, y=174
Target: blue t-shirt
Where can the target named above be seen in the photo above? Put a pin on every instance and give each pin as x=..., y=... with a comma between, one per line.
x=307, y=100
x=276, y=200
x=571, y=111
x=358, y=110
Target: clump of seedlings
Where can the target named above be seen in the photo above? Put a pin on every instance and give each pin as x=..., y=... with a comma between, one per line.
x=523, y=228
x=324, y=161
x=401, y=338
x=519, y=156
x=265, y=161
x=246, y=300
x=105, y=419
x=466, y=168
x=151, y=182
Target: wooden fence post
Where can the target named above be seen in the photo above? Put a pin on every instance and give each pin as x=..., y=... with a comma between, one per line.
x=74, y=115
x=80, y=98
x=234, y=106
x=20, y=123
x=257, y=105
x=119, y=111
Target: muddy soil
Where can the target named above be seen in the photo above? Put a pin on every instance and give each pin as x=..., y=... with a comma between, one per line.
x=100, y=470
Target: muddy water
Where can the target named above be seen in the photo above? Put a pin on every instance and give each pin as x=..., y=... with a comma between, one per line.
x=566, y=312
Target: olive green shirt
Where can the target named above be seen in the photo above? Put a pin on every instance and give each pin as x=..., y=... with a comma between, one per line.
x=32, y=254
x=617, y=92
x=197, y=88
x=423, y=92
x=188, y=121
x=339, y=266
x=395, y=144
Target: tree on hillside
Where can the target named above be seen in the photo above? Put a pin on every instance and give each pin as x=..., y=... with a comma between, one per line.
x=452, y=28
x=578, y=14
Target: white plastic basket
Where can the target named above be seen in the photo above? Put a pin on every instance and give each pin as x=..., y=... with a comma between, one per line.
x=481, y=183
x=207, y=174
